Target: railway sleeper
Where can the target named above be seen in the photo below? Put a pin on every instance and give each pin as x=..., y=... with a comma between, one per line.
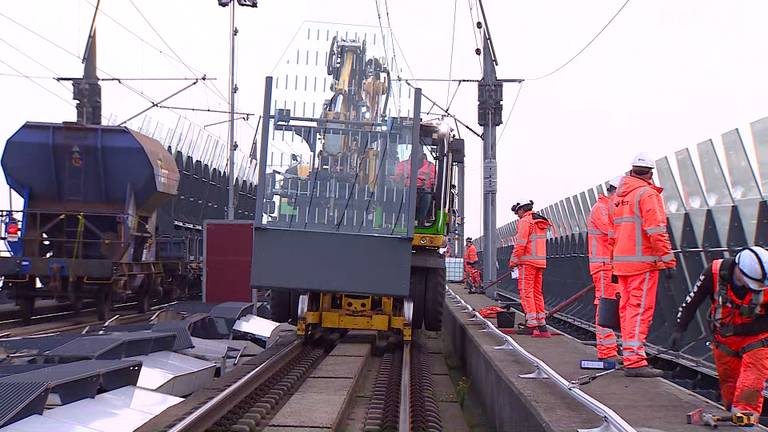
x=253, y=412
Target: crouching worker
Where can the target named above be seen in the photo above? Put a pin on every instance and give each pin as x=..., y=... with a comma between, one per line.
x=739, y=321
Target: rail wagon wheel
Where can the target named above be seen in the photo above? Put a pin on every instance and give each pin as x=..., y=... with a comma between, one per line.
x=144, y=295
x=283, y=305
x=73, y=293
x=104, y=302
x=418, y=286
x=173, y=287
x=25, y=300
x=434, y=298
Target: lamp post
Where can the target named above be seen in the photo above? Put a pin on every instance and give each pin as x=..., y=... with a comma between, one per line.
x=232, y=91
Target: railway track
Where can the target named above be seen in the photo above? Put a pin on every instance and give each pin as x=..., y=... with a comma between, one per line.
x=310, y=386
x=74, y=322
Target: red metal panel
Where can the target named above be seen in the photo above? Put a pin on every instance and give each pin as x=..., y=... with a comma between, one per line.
x=228, y=257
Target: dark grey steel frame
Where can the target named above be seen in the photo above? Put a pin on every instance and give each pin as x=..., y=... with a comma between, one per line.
x=276, y=263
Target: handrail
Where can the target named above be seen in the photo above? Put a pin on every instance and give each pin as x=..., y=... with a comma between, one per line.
x=610, y=418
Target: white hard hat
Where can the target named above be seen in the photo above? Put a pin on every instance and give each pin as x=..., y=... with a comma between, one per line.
x=753, y=262
x=614, y=182
x=643, y=160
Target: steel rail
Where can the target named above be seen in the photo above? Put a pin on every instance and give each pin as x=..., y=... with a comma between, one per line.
x=404, y=423
x=611, y=420
x=203, y=415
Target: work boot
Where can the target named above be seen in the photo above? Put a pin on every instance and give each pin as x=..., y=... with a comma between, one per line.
x=643, y=372
x=541, y=332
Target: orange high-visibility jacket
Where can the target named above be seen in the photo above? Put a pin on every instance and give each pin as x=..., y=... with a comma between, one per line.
x=531, y=241
x=640, y=223
x=470, y=255
x=425, y=177
x=728, y=311
x=600, y=235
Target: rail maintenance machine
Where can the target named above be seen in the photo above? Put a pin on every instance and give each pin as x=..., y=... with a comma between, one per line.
x=347, y=238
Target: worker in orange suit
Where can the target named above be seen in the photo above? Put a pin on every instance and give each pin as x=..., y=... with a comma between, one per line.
x=530, y=254
x=600, y=239
x=641, y=250
x=471, y=261
x=425, y=183
x=738, y=318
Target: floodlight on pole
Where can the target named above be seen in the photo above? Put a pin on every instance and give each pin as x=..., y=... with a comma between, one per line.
x=232, y=91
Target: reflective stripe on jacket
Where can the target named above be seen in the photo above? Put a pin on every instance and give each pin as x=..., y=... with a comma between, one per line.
x=531, y=241
x=600, y=236
x=640, y=223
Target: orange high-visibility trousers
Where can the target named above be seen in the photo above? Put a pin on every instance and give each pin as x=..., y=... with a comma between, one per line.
x=742, y=378
x=638, y=301
x=532, y=295
x=606, y=338
x=472, y=275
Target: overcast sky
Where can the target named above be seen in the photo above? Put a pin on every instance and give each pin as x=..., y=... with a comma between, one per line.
x=665, y=75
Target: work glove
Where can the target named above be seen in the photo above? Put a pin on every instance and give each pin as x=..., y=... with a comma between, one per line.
x=674, y=340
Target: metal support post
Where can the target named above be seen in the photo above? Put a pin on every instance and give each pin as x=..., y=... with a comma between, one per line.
x=232, y=91
x=460, y=211
x=489, y=96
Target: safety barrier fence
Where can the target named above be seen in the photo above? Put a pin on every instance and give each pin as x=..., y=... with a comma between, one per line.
x=611, y=420
x=201, y=159
x=712, y=213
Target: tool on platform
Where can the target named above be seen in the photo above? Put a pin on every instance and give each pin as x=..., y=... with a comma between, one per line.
x=599, y=364
x=586, y=379
x=703, y=418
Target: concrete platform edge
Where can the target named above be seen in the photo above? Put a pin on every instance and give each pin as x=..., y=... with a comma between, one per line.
x=506, y=406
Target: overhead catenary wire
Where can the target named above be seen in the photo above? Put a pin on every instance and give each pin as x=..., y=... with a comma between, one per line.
x=450, y=60
x=70, y=103
x=51, y=42
x=559, y=68
x=473, y=22
x=381, y=28
x=447, y=113
x=17, y=75
x=395, y=96
x=15, y=48
x=511, y=110
x=186, y=65
x=61, y=48
x=172, y=57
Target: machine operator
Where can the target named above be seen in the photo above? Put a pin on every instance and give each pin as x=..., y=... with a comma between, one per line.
x=425, y=183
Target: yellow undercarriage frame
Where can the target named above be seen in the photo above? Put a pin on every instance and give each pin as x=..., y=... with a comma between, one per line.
x=354, y=312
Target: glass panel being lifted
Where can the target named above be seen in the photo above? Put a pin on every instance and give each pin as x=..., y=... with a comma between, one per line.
x=336, y=154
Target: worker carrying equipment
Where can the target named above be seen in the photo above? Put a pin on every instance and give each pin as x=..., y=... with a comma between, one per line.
x=641, y=249
x=739, y=321
x=472, y=276
x=600, y=239
x=530, y=254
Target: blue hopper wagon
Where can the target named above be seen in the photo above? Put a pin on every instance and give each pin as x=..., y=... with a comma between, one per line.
x=88, y=228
